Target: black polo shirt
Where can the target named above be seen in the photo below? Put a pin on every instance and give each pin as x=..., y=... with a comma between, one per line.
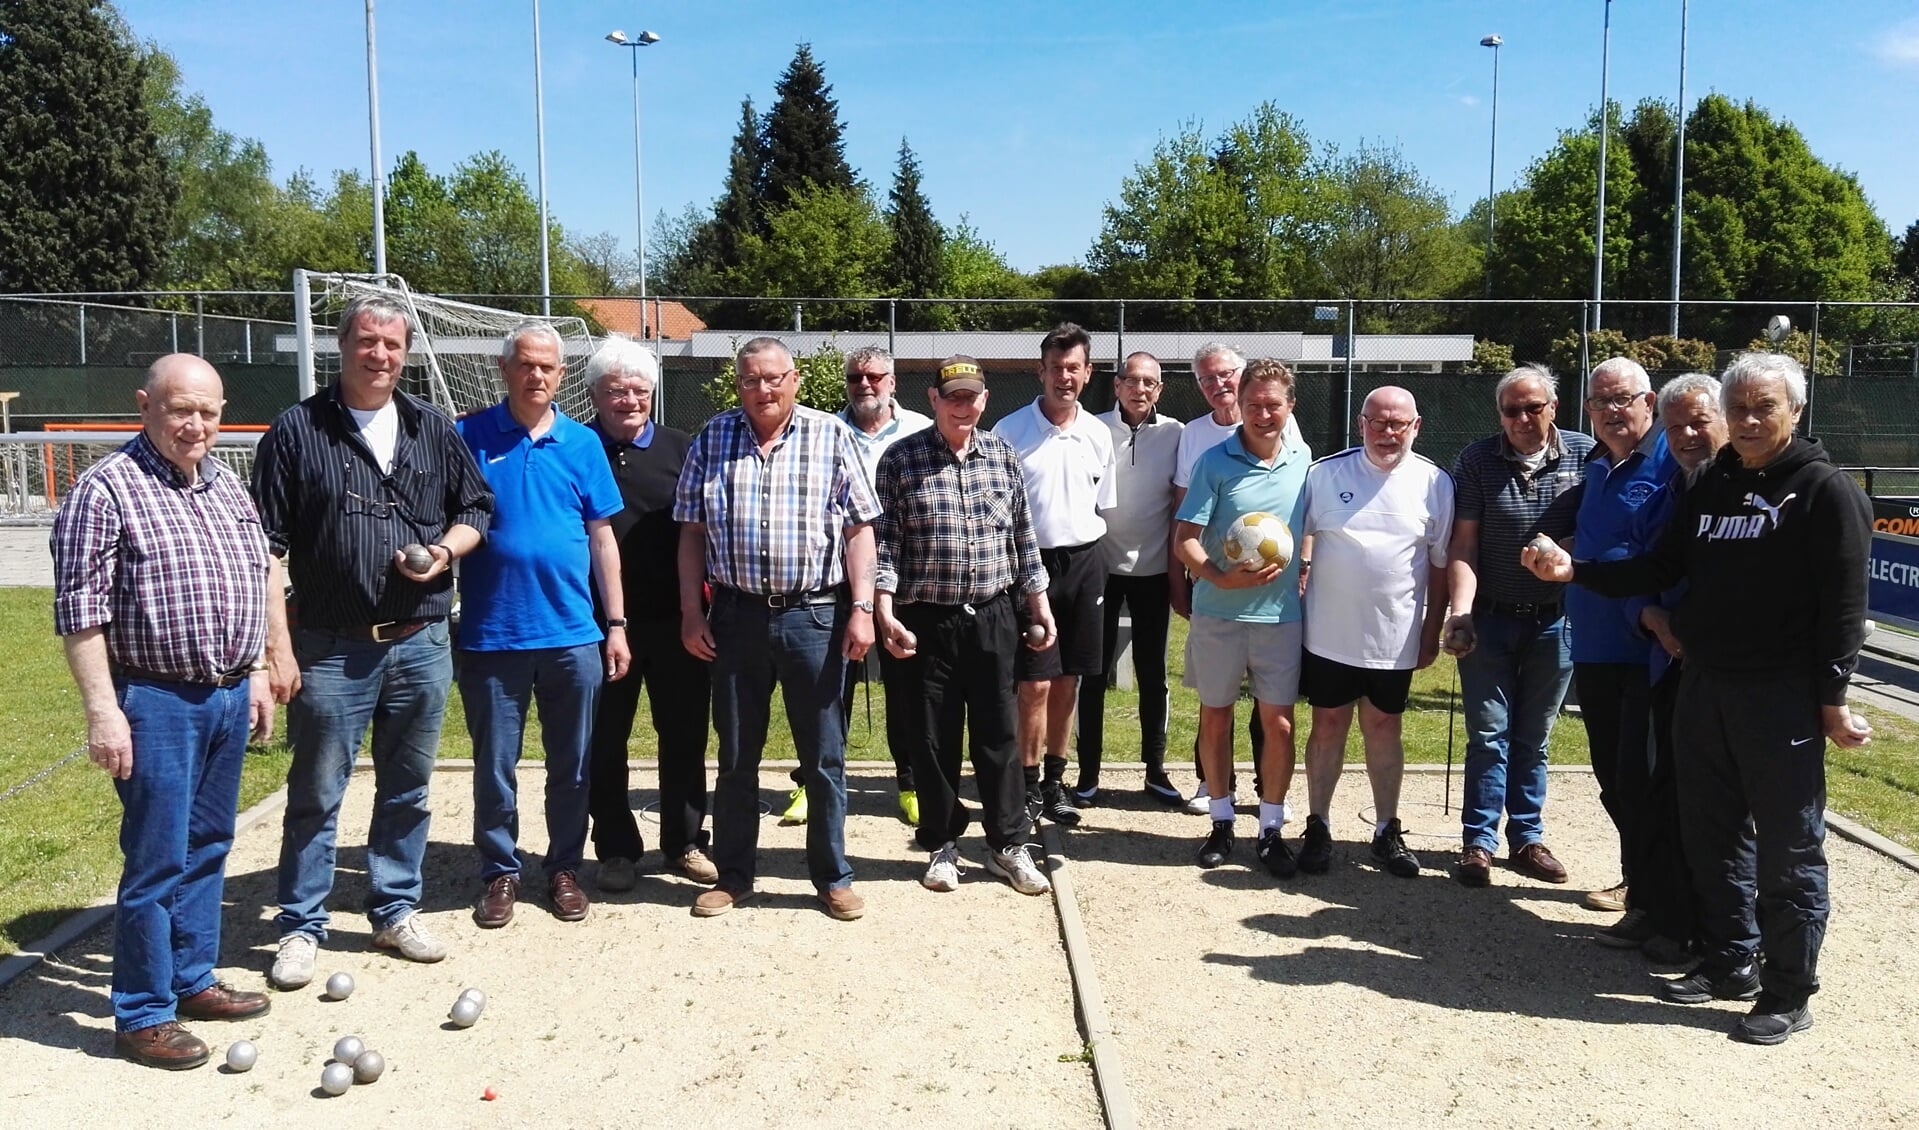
x=647, y=471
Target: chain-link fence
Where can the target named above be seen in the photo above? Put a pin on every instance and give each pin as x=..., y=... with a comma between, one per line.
x=77, y=358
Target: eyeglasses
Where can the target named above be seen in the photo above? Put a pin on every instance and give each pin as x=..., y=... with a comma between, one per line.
x=1389, y=427
x=1217, y=378
x=1622, y=400
x=1146, y=383
x=774, y=381
x=1515, y=411
x=622, y=395
x=866, y=378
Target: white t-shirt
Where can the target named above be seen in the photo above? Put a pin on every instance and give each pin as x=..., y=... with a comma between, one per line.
x=1205, y=433
x=1375, y=536
x=1145, y=458
x=1069, y=473
x=380, y=428
x=904, y=423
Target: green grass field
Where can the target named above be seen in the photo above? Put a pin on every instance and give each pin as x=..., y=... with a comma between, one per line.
x=59, y=836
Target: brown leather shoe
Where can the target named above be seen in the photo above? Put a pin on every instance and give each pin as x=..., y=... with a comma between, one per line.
x=167, y=1046
x=1475, y=867
x=220, y=1001
x=569, y=901
x=719, y=900
x=843, y=904
x=496, y=904
x=1536, y=861
x=696, y=866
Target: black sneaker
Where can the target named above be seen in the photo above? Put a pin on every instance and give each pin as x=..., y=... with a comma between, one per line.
x=1159, y=787
x=1218, y=847
x=1035, y=806
x=1390, y=851
x=1086, y=793
x=1055, y=807
x=1771, y=1021
x=1704, y=985
x=1630, y=932
x=1316, y=847
x=1274, y=853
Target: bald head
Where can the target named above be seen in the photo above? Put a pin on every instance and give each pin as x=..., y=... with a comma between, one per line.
x=1388, y=424
x=180, y=406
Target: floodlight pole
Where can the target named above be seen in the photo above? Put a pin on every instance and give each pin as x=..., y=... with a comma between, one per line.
x=644, y=39
x=373, y=133
x=1599, y=223
x=1492, y=160
x=539, y=133
x=1679, y=175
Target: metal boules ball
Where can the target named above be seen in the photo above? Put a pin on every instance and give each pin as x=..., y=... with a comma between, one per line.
x=369, y=1067
x=339, y=986
x=475, y=995
x=1035, y=633
x=242, y=1055
x=465, y=1012
x=336, y=1078
x=346, y=1049
x=418, y=557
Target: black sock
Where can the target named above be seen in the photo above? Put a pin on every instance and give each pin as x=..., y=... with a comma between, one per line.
x=1055, y=770
x=1031, y=773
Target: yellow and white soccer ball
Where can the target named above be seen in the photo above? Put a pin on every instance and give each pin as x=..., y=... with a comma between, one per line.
x=1260, y=538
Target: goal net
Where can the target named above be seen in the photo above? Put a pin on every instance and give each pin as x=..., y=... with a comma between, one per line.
x=38, y=469
x=454, y=362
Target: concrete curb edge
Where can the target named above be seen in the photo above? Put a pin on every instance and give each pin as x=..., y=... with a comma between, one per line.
x=1109, y=1075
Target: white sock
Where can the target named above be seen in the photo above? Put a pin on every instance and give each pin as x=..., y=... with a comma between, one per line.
x=1272, y=815
x=1221, y=806
x=1379, y=829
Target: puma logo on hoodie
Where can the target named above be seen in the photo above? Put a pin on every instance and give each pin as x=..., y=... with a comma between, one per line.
x=1739, y=527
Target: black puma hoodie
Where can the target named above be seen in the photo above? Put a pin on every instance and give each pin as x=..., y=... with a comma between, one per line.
x=1777, y=561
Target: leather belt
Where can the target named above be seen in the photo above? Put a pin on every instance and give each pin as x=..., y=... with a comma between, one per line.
x=224, y=680
x=393, y=631
x=788, y=599
x=1543, y=611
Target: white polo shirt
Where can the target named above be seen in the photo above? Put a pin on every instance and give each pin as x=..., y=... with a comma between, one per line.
x=1145, y=459
x=1376, y=534
x=904, y=423
x=1204, y=433
x=1069, y=473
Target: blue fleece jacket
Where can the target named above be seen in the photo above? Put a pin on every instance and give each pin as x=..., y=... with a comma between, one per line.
x=1606, y=630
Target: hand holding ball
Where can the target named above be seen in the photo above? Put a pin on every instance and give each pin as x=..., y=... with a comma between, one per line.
x=1259, y=540
x=1460, y=637
x=1035, y=634
x=418, y=557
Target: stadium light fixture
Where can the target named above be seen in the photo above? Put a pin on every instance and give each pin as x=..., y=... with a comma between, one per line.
x=645, y=39
x=1605, y=124
x=1492, y=160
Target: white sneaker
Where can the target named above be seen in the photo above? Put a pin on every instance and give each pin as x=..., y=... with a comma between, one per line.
x=1016, y=866
x=943, y=872
x=293, y=965
x=1202, y=802
x=409, y=938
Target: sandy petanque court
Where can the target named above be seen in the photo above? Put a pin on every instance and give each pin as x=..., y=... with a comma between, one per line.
x=1219, y=999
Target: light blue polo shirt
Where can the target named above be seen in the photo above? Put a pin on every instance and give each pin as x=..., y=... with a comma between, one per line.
x=1227, y=482
x=530, y=585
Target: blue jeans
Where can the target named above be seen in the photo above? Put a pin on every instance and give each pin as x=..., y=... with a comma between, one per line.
x=799, y=648
x=176, y=827
x=1511, y=688
x=497, y=689
x=347, y=684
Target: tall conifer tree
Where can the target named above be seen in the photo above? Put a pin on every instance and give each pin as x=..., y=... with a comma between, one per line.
x=914, y=269
x=804, y=140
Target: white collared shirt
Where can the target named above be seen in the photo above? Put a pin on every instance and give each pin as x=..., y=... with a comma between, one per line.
x=1069, y=473
x=872, y=445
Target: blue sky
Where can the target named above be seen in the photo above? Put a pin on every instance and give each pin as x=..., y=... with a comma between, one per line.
x=1026, y=117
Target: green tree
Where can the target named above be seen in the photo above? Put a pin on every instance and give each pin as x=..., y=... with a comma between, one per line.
x=425, y=243
x=1386, y=233
x=822, y=380
x=85, y=193
x=737, y=214
x=829, y=242
x=1905, y=262
x=915, y=266
x=971, y=267
x=804, y=142
x=1544, y=248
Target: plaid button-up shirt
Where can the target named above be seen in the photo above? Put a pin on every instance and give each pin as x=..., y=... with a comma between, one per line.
x=775, y=523
x=954, y=531
x=176, y=573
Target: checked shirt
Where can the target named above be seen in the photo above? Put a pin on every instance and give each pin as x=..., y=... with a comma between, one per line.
x=954, y=531
x=176, y=573
x=775, y=523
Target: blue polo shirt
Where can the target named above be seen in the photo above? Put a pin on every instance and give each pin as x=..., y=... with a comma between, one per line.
x=1607, y=630
x=1227, y=482
x=530, y=585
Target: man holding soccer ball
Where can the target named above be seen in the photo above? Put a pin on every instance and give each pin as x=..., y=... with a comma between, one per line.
x=1245, y=601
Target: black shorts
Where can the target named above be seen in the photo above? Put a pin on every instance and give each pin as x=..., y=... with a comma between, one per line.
x=1327, y=683
x=1075, y=590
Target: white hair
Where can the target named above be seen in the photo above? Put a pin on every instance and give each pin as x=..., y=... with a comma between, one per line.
x=1626, y=367
x=1686, y=385
x=1219, y=349
x=1748, y=367
x=1538, y=373
x=621, y=356
x=531, y=329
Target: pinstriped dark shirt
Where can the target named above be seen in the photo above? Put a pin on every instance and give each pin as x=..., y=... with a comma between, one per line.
x=176, y=573
x=954, y=531
x=337, y=518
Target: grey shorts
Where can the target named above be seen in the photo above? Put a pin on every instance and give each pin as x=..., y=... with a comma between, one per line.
x=1221, y=653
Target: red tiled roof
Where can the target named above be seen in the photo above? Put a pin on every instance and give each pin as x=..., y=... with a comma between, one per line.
x=664, y=317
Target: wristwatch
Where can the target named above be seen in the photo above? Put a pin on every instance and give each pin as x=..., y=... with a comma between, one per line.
x=864, y=606
x=616, y=622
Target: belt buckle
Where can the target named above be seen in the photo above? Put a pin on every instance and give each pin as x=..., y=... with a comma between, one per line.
x=379, y=632
x=778, y=600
